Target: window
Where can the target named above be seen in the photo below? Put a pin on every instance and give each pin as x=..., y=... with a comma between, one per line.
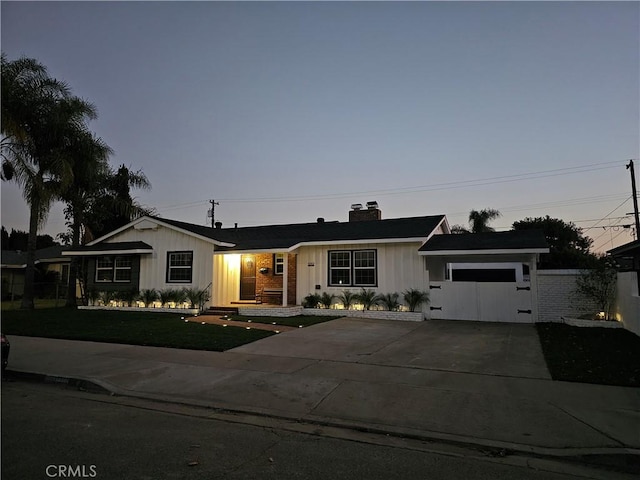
x=113, y=269
x=353, y=268
x=278, y=263
x=179, y=267
x=64, y=276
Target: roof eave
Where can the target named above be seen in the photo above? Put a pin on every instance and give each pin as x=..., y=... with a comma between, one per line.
x=500, y=251
x=89, y=253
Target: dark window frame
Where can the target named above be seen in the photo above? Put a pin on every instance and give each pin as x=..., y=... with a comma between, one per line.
x=171, y=268
x=352, y=268
x=114, y=268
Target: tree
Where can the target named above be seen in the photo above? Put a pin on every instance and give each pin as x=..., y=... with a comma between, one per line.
x=478, y=221
x=599, y=284
x=114, y=207
x=568, y=246
x=89, y=163
x=17, y=240
x=39, y=119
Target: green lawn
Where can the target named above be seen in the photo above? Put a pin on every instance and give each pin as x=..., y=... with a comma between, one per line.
x=135, y=328
x=591, y=355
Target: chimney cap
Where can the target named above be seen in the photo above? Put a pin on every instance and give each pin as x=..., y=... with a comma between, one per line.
x=356, y=206
x=218, y=224
x=320, y=220
x=372, y=204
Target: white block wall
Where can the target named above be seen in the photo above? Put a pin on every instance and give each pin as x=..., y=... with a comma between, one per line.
x=557, y=296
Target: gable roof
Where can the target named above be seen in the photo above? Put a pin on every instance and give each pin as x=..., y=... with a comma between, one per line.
x=514, y=241
x=292, y=235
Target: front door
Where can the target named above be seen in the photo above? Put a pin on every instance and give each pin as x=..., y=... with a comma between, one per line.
x=248, y=277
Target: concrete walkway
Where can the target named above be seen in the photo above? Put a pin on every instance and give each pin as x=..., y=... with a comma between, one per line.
x=484, y=384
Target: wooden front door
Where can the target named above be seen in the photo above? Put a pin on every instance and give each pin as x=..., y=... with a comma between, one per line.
x=248, y=277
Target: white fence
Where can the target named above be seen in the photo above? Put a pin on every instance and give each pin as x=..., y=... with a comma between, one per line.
x=628, y=301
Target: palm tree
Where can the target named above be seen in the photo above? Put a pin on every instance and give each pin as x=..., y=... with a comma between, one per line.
x=89, y=156
x=478, y=221
x=114, y=207
x=39, y=120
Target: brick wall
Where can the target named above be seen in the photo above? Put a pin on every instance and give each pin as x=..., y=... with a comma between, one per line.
x=557, y=296
x=271, y=280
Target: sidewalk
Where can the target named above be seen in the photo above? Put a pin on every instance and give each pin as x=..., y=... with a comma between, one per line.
x=533, y=415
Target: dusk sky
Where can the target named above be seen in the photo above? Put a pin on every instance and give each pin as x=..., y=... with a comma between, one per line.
x=288, y=111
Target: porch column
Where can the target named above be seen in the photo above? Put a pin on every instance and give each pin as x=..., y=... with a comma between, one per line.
x=285, y=279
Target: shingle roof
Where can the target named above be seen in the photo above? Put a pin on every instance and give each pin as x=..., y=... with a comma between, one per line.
x=112, y=247
x=18, y=258
x=511, y=240
x=286, y=236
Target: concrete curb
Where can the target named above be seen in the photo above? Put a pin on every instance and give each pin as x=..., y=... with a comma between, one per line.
x=491, y=448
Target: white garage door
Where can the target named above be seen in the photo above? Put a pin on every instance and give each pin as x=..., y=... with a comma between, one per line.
x=484, y=301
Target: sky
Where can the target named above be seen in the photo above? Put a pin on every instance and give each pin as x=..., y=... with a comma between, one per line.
x=283, y=112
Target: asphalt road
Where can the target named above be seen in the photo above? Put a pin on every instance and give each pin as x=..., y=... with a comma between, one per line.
x=50, y=431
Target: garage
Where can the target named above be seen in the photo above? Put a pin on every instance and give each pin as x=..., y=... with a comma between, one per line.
x=484, y=276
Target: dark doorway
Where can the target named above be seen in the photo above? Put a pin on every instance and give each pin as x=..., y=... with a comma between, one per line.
x=248, y=277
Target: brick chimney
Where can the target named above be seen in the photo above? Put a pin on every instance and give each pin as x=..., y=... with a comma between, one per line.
x=358, y=214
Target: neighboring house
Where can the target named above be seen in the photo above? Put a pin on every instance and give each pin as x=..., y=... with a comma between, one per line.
x=14, y=264
x=281, y=264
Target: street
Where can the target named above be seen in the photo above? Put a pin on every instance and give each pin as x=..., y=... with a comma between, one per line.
x=51, y=431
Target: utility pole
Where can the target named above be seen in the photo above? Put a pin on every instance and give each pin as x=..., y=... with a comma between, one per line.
x=212, y=212
x=635, y=197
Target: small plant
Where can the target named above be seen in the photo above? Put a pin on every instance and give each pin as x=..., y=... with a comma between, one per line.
x=148, y=296
x=389, y=301
x=127, y=296
x=166, y=295
x=347, y=298
x=326, y=299
x=415, y=298
x=93, y=295
x=196, y=297
x=311, y=301
x=599, y=284
x=106, y=297
x=180, y=296
x=368, y=298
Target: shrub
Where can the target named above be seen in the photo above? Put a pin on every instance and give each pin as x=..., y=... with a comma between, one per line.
x=127, y=296
x=107, y=297
x=326, y=300
x=347, y=298
x=166, y=295
x=148, y=296
x=415, y=298
x=311, y=301
x=389, y=301
x=599, y=285
x=196, y=297
x=368, y=298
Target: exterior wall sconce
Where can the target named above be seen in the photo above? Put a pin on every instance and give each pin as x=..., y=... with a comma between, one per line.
x=264, y=270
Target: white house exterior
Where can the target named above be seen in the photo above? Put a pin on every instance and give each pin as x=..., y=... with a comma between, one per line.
x=282, y=264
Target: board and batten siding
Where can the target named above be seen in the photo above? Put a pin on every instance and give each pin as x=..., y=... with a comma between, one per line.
x=226, y=282
x=153, y=268
x=399, y=268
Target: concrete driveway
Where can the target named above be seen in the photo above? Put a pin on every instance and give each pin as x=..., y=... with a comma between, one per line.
x=449, y=345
